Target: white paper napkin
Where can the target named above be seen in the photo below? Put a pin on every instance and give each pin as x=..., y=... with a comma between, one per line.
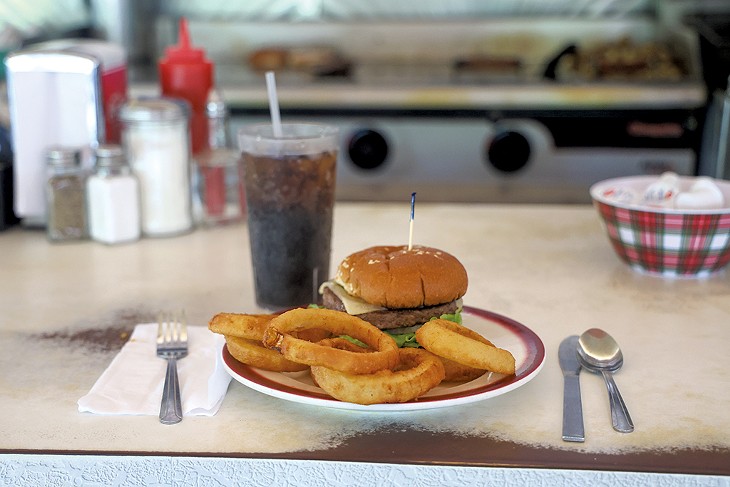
x=132, y=384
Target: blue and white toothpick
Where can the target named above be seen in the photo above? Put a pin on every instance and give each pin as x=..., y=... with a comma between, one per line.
x=410, y=229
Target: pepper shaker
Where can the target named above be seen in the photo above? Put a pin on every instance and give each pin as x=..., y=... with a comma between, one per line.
x=65, y=195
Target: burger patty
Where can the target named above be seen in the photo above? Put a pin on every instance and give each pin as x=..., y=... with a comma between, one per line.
x=387, y=319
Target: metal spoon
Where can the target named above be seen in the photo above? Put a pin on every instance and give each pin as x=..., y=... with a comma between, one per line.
x=599, y=353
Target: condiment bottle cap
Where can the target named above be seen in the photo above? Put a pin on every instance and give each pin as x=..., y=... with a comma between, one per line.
x=215, y=107
x=62, y=156
x=184, y=52
x=109, y=155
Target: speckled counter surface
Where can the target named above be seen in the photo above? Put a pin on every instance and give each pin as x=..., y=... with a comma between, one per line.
x=65, y=310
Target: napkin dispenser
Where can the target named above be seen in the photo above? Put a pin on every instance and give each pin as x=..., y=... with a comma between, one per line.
x=55, y=99
x=7, y=217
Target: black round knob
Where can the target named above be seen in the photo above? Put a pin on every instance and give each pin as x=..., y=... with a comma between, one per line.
x=508, y=151
x=368, y=149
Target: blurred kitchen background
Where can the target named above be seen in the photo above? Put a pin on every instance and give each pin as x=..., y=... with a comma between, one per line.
x=466, y=100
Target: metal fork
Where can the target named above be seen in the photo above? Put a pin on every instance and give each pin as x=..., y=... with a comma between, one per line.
x=172, y=344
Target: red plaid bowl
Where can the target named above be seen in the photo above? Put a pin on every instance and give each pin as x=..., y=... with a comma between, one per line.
x=663, y=241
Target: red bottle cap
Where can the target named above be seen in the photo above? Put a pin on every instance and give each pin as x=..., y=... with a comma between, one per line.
x=184, y=52
x=186, y=73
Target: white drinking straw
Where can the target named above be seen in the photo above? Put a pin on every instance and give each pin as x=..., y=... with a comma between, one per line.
x=273, y=104
x=410, y=229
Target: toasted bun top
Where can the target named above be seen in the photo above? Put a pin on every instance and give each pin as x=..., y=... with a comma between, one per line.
x=395, y=277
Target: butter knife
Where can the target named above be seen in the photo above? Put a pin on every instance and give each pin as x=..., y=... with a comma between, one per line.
x=572, y=405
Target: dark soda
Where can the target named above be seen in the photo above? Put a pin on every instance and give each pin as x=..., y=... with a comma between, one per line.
x=290, y=202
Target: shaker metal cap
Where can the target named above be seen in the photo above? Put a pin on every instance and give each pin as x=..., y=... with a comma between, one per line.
x=215, y=107
x=109, y=155
x=62, y=156
x=154, y=110
x=109, y=150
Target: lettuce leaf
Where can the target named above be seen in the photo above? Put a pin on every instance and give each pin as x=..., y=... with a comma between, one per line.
x=455, y=317
x=405, y=340
x=354, y=340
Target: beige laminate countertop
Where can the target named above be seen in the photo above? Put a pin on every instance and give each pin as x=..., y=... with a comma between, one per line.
x=66, y=309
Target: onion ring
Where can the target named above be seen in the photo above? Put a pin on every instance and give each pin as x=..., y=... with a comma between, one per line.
x=418, y=372
x=279, y=335
x=456, y=372
x=253, y=353
x=460, y=344
x=252, y=327
x=342, y=344
x=240, y=325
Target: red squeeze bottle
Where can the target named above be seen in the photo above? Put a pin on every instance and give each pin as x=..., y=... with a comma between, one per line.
x=186, y=73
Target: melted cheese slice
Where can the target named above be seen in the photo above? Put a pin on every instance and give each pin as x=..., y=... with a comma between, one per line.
x=353, y=305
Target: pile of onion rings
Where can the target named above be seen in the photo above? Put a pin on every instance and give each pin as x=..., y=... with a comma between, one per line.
x=367, y=367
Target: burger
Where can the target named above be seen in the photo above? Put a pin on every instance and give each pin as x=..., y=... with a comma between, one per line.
x=398, y=289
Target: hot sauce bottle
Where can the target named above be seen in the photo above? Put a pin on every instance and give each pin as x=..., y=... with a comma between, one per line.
x=186, y=73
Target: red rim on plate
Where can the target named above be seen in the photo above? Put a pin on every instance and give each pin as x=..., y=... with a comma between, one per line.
x=528, y=365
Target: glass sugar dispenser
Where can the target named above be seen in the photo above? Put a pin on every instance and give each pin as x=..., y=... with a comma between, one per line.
x=65, y=195
x=155, y=137
x=113, y=198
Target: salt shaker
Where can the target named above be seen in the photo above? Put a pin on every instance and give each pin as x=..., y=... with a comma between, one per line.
x=65, y=195
x=155, y=136
x=113, y=198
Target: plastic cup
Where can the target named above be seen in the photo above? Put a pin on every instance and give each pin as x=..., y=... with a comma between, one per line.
x=290, y=193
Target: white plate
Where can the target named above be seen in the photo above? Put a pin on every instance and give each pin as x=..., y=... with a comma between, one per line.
x=523, y=343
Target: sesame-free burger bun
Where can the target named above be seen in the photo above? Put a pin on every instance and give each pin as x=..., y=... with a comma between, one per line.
x=395, y=277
